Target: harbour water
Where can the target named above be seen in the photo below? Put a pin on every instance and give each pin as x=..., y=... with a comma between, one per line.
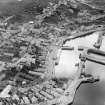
x=87, y=94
